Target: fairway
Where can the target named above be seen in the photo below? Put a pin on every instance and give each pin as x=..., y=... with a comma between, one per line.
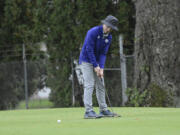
x=134, y=121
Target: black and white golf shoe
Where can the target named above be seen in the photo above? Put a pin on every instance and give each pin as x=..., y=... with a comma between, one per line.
x=107, y=113
x=91, y=115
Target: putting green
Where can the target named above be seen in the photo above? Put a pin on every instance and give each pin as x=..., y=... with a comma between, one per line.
x=134, y=121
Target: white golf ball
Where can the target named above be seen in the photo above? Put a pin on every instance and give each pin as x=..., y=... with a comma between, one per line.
x=58, y=121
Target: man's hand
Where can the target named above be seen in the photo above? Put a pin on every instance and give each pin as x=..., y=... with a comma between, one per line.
x=97, y=70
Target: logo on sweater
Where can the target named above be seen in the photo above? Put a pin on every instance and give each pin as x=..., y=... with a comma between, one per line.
x=106, y=40
x=98, y=37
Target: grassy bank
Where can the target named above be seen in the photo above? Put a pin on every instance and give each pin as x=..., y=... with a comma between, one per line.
x=35, y=103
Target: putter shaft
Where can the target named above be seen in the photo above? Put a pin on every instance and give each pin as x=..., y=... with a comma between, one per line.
x=102, y=79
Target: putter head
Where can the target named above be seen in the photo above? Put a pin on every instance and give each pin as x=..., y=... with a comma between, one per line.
x=116, y=115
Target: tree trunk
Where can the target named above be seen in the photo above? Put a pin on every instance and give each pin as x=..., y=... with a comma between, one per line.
x=157, y=46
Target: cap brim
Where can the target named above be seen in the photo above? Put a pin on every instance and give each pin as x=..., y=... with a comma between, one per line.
x=110, y=25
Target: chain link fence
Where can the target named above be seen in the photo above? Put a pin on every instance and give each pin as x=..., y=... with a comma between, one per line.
x=12, y=82
x=113, y=82
x=23, y=83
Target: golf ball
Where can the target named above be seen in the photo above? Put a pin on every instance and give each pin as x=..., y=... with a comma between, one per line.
x=58, y=121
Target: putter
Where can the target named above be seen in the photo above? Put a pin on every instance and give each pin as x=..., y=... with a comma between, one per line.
x=114, y=114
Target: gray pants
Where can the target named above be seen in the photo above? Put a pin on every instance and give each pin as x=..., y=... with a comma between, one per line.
x=91, y=80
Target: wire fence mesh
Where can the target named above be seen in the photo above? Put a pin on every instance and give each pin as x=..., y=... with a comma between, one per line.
x=112, y=74
x=13, y=82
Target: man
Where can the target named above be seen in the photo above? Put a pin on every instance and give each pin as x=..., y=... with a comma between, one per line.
x=92, y=59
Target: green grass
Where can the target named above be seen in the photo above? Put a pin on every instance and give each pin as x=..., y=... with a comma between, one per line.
x=134, y=121
x=34, y=104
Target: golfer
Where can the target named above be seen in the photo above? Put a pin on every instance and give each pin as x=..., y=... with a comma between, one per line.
x=92, y=59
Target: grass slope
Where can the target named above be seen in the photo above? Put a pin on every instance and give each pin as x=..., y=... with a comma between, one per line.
x=36, y=103
x=134, y=121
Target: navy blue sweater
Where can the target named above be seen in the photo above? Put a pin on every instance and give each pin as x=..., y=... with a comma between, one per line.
x=95, y=47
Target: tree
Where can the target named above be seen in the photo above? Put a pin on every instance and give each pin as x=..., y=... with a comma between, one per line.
x=68, y=23
x=62, y=25
x=61, y=43
x=17, y=26
x=157, y=57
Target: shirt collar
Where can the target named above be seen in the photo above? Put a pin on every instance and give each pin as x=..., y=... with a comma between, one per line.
x=103, y=34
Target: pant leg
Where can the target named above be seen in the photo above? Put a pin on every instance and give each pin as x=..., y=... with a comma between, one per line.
x=89, y=81
x=100, y=93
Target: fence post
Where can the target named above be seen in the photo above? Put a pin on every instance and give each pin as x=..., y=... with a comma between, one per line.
x=73, y=93
x=123, y=70
x=25, y=76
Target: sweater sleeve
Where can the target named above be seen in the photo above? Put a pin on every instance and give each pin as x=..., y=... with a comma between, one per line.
x=90, y=40
x=103, y=54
